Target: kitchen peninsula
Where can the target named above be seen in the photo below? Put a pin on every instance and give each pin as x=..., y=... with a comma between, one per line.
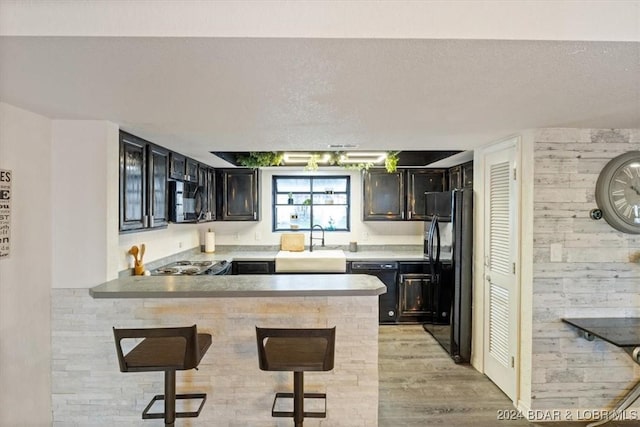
x=90, y=390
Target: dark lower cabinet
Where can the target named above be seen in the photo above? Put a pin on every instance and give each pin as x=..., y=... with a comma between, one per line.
x=253, y=267
x=415, y=292
x=467, y=175
x=143, y=184
x=423, y=298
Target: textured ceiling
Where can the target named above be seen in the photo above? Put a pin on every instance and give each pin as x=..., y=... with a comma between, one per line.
x=198, y=95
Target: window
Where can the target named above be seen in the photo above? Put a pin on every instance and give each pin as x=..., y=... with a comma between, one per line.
x=302, y=201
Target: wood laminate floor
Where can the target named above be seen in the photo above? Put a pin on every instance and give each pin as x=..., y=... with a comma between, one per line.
x=421, y=386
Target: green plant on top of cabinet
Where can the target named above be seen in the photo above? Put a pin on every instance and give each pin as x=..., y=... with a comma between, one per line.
x=383, y=195
x=420, y=181
x=238, y=192
x=144, y=171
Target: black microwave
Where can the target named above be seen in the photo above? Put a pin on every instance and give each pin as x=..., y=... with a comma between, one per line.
x=185, y=202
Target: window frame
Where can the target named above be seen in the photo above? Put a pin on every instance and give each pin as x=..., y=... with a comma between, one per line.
x=311, y=193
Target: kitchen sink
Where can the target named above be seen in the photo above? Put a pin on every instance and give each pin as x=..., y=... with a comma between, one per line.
x=318, y=261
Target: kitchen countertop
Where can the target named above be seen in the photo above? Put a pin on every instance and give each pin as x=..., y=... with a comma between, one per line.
x=270, y=255
x=128, y=286
x=205, y=286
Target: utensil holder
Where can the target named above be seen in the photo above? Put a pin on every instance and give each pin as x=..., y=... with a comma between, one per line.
x=138, y=270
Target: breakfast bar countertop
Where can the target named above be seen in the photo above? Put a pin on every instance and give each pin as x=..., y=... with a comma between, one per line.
x=205, y=286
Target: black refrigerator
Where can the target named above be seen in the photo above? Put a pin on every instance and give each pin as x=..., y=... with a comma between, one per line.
x=449, y=248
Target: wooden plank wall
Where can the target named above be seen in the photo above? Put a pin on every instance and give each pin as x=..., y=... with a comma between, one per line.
x=580, y=269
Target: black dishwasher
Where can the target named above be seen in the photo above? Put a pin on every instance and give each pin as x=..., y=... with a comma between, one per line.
x=387, y=272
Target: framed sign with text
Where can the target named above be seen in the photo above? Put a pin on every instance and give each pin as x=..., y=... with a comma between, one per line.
x=5, y=213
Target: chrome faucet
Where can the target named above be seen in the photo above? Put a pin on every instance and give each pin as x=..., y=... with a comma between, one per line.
x=311, y=238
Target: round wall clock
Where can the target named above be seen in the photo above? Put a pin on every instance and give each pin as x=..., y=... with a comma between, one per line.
x=618, y=192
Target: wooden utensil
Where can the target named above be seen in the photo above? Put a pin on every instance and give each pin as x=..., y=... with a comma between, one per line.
x=134, y=251
x=139, y=268
x=142, y=248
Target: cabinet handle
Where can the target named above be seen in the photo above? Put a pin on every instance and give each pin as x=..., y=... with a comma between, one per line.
x=145, y=221
x=255, y=215
x=151, y=220
x=409, y=215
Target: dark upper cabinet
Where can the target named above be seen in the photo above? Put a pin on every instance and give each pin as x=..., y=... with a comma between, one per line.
x=383, y=195
x=157, y=186
x=420, y=181
x=202, y=175
x=467, y=175
x=191, y=170
x=183, y=168
x=143, y=184
x=210, y=188
x=177, y=166
x=461, y=176
x=133, y=191
x=455, y=178
x=238, y=194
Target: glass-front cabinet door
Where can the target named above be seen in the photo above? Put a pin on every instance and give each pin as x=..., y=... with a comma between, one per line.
x=133, y=169
x=158, y=175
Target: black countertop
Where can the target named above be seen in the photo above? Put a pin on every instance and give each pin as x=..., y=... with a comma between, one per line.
x=619, y=331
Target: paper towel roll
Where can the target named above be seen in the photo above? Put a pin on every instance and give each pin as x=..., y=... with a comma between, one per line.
x=209, y=241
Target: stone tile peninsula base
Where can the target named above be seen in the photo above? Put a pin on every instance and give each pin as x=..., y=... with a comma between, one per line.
x=89, y=390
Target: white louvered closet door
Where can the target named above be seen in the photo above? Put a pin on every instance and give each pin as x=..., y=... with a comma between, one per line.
x=501, y=339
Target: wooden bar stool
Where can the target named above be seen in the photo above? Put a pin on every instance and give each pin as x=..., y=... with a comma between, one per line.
x=168, y=350
x=296, y=350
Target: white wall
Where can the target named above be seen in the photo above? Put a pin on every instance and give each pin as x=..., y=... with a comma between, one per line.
x=581, y=268
x=25, y=277
x=85, y=214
